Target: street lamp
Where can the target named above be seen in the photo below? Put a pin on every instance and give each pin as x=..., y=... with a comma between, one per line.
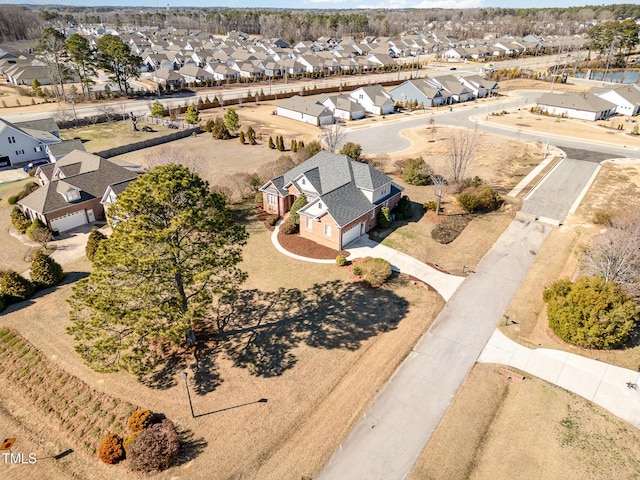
x=184, y=375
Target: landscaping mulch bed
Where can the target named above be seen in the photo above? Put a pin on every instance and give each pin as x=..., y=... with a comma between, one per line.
x=308, y=248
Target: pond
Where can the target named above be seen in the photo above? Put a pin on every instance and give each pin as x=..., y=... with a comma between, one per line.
x=629, y=76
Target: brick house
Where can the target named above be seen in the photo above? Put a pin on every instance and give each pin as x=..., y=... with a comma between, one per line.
x=72, y=190
x=343, y=197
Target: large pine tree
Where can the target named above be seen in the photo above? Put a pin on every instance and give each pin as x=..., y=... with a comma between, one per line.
x=174, y=250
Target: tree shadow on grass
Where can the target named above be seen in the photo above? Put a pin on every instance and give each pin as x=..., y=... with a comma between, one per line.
x=260, y=330
x=265, y=327
x=191, y=447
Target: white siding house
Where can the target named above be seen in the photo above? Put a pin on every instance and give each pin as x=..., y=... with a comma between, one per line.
x=23, y=145
x=305, y=109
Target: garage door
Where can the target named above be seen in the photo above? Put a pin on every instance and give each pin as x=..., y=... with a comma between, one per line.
x=69, y=221
x=350, y=235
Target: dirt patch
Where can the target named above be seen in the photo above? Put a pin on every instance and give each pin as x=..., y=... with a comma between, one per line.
x=499, y=427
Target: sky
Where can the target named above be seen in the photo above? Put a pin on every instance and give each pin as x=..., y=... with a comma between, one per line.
x=326, y=4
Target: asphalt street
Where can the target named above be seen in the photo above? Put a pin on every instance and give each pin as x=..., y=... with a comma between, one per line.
x=387, y=441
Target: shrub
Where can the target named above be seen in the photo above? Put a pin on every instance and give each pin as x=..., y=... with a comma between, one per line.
x=219, y=130
x=489, y=199
x=404, y=209
x=19, y=220
x=288, y=227
x=416, y=172
x=128, y=440
x=300, y=202
x=468, y=201
x=14, y=287
x=45, y=271
x=430, y=205
x=111, y=450
x=341, y=260
x=272, y=220
x=384, y=217
x=352, y=150
x=208, y=126
x=39, y=232
x=447, y=231
x=590, y=313
x=258, y=198
x=13, y=199
x=139, y=420
x=375, y=271
x=272, y=145
x=192, y=116
x=601, y=217
x=95, y=237
x=357, y=271
x=155, y=448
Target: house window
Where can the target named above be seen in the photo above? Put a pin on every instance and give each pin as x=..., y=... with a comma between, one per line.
x=19, y=152
x=37, y=149
x=373, y=214
x=304, y=181
x=320, y=205
x=309, y=223
x=271, y=199
x=12, y=139
x=327, y=230
x=360, y=96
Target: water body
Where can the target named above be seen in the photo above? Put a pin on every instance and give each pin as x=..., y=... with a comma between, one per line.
x=631, y=76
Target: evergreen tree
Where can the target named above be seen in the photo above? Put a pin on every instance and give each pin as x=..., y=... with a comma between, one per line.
x=158, y=274
x=45, y=271
x=95, y=237
x=271, y=144
x=158, y=110
x=231, y=121
x=192, y=116
x=294, y=145
x=242, y=140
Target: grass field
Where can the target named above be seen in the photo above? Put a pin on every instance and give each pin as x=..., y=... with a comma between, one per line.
x=500, y=429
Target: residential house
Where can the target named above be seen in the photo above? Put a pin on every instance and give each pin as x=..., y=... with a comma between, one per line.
x=305, y=109
x=21, y=145
x=56, y=151
x=418, y=91
x=585, y=106
x=374, y=99
x=479, y=86
x=72, y=190
x=457, y=91
x=194, y=74
x=626, y=98
x=343, y=197
x=344, y=107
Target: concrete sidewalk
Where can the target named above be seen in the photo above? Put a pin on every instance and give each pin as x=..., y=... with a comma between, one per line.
x=598, y=382
x=444, y=283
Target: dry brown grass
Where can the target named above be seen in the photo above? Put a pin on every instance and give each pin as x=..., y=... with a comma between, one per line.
x=334, y=345
x=502, y=429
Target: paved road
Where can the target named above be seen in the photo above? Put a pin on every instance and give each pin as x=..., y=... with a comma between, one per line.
x=387, y=441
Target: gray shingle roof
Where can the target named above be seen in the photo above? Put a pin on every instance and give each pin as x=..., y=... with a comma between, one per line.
x=91, y=183
x=587, y=102
x=65, y=147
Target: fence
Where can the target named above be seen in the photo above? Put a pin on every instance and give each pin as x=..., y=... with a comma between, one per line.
x=151, y=142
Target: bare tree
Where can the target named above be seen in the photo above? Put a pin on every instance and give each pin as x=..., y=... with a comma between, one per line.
x=460, y=151
x=439, y=182
x=615, y=255
x=107, y=110
x=333, y=137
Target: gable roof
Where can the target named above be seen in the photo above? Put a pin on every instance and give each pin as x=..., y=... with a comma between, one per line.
x=309, y=105
x=339, y=181
x=587, y=102
x=91, y=177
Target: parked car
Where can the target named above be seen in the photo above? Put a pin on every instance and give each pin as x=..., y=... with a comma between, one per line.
x=173, y=126
x=453, y=68
x=34, y=164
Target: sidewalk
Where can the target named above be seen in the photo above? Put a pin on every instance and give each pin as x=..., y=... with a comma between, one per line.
x=598, y=382
x=444, y=283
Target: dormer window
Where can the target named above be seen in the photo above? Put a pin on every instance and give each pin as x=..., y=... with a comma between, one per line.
x=72, y=195
x=304, y=181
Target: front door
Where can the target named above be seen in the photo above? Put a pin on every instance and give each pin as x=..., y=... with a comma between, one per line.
x=362, y=228
x=92, y=217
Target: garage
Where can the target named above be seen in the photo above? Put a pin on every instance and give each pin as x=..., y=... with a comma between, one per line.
x=354, y=232
x=69, y=221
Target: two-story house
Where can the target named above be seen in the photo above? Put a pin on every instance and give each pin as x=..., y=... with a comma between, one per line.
x=343, y=197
